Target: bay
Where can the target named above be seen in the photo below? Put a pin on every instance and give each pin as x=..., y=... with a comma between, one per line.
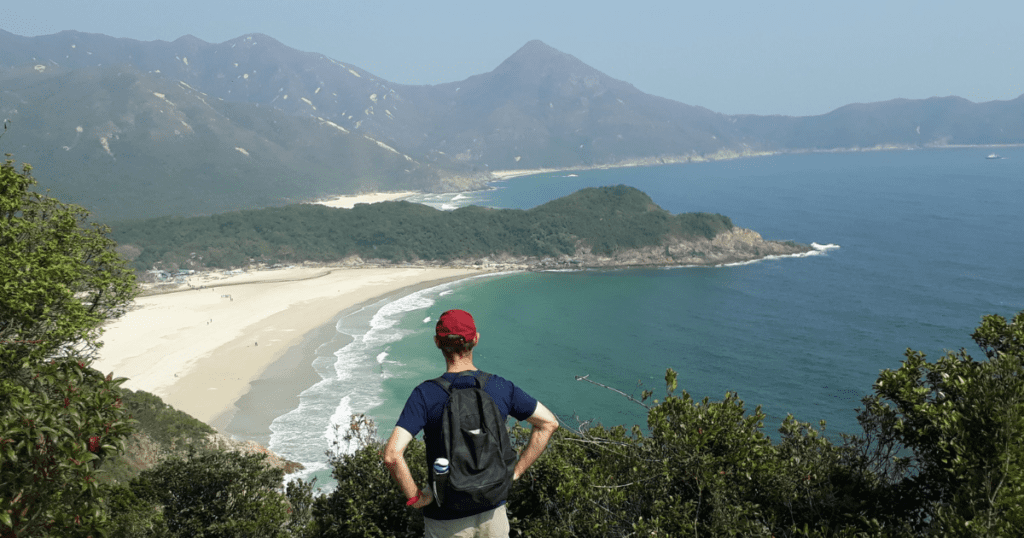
x=928, y=242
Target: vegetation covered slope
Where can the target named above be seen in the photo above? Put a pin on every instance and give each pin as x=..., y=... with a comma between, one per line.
x=130, y=144
x=600, y=220
x=60, y=280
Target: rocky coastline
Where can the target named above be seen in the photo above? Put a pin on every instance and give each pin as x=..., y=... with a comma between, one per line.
x=738, y=245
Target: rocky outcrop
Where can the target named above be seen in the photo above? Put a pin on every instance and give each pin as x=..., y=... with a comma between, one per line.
x=224, y=442
x=734, y=246
x=143, y=452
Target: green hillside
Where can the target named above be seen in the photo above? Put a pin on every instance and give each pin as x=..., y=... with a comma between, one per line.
x=605, y=219
x=126, y=144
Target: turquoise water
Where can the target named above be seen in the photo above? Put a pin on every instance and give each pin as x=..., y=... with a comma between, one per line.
x=928, y=242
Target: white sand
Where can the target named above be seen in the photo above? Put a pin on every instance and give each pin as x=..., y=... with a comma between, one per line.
x=199, y=349
x=509, y=174
x=348, y=202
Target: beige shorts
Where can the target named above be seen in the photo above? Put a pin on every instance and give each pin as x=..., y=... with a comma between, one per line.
x=490, y=524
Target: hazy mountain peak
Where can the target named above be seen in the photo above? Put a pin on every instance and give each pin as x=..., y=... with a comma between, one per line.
x=258, y=37
x=189, y=38
x=538, y=56
x=536, y=46
x=251, y=110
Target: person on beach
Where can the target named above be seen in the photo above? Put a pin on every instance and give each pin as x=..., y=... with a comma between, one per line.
x=456, y=336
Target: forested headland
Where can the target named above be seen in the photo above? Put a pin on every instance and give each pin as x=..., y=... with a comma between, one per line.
x=601, y=221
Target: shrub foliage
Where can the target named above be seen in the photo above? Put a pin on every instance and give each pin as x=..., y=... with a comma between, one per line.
x=59, y=417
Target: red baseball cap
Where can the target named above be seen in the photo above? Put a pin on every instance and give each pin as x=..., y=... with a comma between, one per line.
x=456, y=323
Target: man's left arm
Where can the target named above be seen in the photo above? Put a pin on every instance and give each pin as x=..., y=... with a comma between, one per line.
x=394, y=460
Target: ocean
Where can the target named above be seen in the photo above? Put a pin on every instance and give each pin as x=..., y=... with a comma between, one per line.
x=914, y=247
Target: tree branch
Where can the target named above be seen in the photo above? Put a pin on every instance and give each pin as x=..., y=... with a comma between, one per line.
x=586, y=378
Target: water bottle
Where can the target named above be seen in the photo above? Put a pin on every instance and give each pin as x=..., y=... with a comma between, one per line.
x=440, y=475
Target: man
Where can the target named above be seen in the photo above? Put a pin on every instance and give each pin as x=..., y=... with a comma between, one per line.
x=456, y=336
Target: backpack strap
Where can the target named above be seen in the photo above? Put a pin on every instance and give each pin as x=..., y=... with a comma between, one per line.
x=444, y=384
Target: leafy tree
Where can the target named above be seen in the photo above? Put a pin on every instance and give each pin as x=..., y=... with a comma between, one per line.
x=59, y=417
x=161, y=422
x=301, y=498
x=160, y=430
x=216, y=494
x=131, y=517
x=705, y=469
x=948, y=436
x=366, y=502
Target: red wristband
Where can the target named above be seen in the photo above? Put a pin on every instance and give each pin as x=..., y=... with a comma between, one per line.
x=412, y=501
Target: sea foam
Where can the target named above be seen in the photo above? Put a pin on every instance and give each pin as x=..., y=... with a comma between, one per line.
x=819, y=250
x=352, y=381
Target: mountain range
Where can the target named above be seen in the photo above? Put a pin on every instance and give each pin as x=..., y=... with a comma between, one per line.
x=147, y=128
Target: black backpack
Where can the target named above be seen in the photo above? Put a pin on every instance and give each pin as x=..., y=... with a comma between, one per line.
x=480, y=455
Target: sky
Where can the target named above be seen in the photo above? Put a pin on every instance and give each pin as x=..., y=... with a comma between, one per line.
x=795, y=58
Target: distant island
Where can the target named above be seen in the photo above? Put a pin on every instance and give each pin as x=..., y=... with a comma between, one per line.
x=616, y=226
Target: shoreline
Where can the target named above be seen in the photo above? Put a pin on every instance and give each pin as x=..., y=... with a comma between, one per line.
x=241, y=382
x=348, y=201
x=174, y=358
x=277, y=390
x=239, y=357
x=725, y=155
x=201, y=349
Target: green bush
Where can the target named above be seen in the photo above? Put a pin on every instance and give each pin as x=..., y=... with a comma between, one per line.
x=705, y=469
x=216, y=494
x=366, y=503
x=947, y=436
x=60, y=419
x=161, y=422
x=132, y=517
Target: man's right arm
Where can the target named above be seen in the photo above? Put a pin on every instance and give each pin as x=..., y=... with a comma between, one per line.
x=394, y=460
x=544, y=425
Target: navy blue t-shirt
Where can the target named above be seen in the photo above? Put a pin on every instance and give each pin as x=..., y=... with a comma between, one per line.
x=424, y=411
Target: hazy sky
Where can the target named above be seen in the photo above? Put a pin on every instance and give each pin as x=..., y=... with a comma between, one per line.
x=731, y=56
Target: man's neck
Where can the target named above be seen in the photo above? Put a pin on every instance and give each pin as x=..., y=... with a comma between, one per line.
x=460, y=363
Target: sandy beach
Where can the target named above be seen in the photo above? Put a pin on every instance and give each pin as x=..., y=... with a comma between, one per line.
x=502, y=175
x=349, y=201
x=200, y=348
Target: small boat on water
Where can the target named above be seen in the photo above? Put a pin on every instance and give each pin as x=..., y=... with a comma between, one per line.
x=993, y=156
